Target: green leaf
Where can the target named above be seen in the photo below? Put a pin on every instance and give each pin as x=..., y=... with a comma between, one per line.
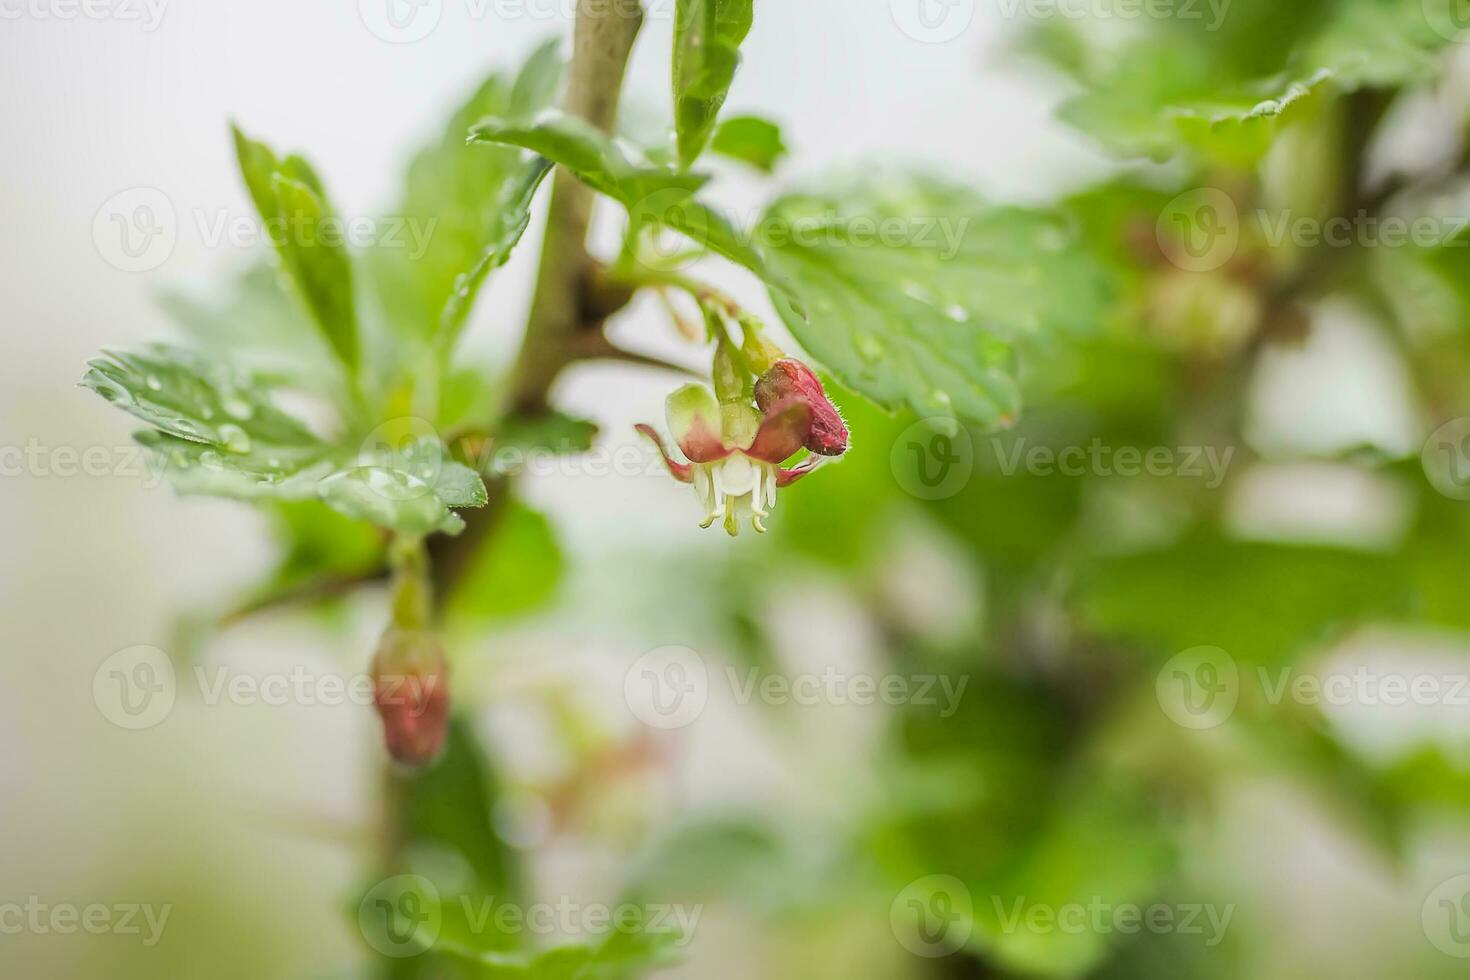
x=707, y=39
x=409, y=488
x=261, y=473
x=190, y=398
x=1103, y=846
x=451, y=805
x=1261, y=603
x=918, y=292
x=1223, y=94
x=308, y=236
x=470, y=202
x=619, y=955
x=389, y=498
x=751, y=140
x=654, y=195
x=587, y=152
x=551, y=433
x=515, y=573
x=218, y=434
x=513, y=217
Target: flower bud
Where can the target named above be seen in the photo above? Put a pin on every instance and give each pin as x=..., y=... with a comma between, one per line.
x=411, y=693
x=790, y=378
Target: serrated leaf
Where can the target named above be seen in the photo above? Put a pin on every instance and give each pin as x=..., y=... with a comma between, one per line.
x=707, y=39
x=652, y=194
x=583, y=149
x=917, y=292
x=389, y=498
x=409, y=488
x=200, y=401
x=264, y=473
x=751, y=140
x=472, y=200
x=512, y=218
x=308, y=237
x=1223, y=94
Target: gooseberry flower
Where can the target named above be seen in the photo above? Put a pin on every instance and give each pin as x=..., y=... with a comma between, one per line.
x=789, y=378
x=411, y=693
x=734, y=452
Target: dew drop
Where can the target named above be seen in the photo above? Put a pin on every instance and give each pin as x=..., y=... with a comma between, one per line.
x=236, y=407
x=234, y=438
x=152, y=382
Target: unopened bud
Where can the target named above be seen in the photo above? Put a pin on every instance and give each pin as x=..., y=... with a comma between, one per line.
x=411, y=692
x=790, y=378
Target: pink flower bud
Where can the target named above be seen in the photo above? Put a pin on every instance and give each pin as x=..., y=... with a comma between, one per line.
x=790, y=378
x=411, y=692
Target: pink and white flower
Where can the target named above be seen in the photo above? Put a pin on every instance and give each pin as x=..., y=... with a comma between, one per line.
x=735, y=453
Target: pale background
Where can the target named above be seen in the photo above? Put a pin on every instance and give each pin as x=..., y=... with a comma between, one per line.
x=227, y=812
